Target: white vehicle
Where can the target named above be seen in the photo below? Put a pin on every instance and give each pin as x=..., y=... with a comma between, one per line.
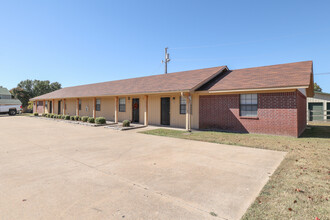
x=7, y=104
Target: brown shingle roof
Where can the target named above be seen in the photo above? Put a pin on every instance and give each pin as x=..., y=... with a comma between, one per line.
x=178, y=81
x=282, y=75
x=276, y=76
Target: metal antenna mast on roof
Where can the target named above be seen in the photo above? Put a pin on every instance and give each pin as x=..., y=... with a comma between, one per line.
x=167, y=59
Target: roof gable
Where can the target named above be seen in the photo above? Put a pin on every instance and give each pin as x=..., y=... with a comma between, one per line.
x=276, y=76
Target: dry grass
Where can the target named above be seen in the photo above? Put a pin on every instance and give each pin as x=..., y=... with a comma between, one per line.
x=299, y=188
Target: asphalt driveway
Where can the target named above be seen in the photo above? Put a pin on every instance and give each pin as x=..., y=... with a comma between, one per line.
x=56, y=170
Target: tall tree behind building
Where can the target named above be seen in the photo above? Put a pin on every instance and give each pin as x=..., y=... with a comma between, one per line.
x=28, y=89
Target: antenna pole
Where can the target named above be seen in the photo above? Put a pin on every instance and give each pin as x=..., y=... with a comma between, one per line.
x=167, y=59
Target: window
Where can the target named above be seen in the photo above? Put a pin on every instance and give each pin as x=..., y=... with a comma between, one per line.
x=5, y=96
x=249, y=105
x=98, y=105
x=79, y=104
x=46, y=104
x=122, y=105
x=183, y=104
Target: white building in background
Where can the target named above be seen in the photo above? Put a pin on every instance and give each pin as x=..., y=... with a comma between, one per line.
x=318, y=107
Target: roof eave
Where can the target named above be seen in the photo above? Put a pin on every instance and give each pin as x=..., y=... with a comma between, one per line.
x=252, y=90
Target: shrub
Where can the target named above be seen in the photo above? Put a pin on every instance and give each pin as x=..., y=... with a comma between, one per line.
x=52, y=115
x=84, y=118
x=76, y=118
x=100, y=120
x=55, y=115
x=36, y=114
x=63, y=116
x=91, y=120
x=43, y=114
x=72, y=118
x=126, y=123
x=67, y=117
x=59, y=116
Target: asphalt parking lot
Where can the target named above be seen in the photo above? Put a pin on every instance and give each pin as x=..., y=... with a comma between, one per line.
x=55, y=170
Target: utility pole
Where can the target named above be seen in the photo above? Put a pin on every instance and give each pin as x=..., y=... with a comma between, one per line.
x=167, y=59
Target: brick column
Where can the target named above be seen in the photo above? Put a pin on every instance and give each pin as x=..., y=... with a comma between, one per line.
x=188, y=118
x=116, y=109
x=53, y=103
x=44, y=106
x=77, y=107
x=63, y=106
x=146, y=121
x=94, y=107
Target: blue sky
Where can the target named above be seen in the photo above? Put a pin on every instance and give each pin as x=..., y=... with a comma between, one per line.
x=80, y=42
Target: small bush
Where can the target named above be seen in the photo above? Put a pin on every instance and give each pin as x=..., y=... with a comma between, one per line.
x=72, y=118
x=43, y=114
x=55, y=115
x=91, y=120
x=84, y=118
x=63, y=116
x=67, y=117
x=126, y=123
x=100, y=120
x=76, y=118
x=36, y=114
x=52, y=115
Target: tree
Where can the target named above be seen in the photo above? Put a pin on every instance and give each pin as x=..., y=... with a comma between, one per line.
x=28, y=89
x=317, y=88
x=20, y=94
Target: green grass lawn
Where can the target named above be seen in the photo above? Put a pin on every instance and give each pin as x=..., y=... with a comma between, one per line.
x=299, y=188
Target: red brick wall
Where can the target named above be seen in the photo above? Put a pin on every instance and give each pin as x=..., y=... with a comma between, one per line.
x=302, y=111
x=38, y=107
x=277, y=114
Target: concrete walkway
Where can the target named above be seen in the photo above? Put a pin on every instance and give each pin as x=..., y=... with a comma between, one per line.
x=55, y=170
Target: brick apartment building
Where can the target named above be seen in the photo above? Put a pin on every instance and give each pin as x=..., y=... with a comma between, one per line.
x=268, y=100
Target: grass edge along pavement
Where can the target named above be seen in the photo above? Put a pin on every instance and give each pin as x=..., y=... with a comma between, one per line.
x=299, y=188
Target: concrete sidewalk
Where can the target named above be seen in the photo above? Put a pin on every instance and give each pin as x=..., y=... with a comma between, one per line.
x=54, y=170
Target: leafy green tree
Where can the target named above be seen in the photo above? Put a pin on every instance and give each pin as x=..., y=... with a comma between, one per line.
x=20, y=94
x=28, y=89
x=317, y=88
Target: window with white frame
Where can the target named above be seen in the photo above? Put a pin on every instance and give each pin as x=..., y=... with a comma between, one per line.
x=249, y=105
x=122, y=105
x=98, y=105
x=183, y=104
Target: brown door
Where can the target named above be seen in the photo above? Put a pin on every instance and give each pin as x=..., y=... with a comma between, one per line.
x=165, y=111
x=135, y=110
x=59, y=107
x=50, y=107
